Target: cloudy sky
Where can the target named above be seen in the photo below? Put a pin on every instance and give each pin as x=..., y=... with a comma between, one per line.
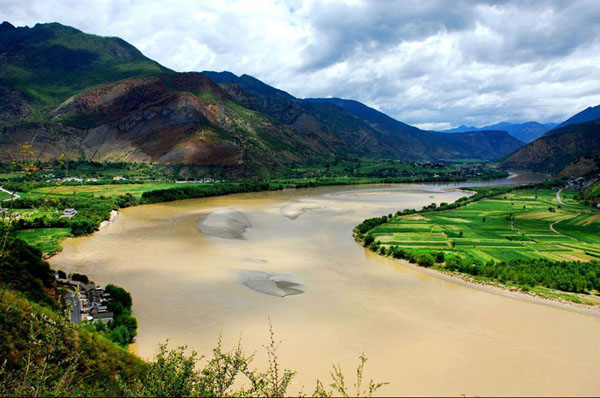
x=434, y=64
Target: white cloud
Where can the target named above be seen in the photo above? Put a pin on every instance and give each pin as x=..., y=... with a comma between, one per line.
x=430, y=63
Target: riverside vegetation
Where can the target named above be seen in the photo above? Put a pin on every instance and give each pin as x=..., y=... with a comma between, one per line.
x=511, y=235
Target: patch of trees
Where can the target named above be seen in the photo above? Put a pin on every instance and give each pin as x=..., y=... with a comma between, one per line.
x=370, y=223
x=568, y=276
x=201, y=191
x=22, y=269
x=123, y=327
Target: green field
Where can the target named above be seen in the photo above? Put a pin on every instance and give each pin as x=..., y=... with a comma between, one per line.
x=516, y=225
x=47, y=240
x=106, y=190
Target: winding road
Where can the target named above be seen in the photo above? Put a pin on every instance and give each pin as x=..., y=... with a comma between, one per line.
x=13, y=195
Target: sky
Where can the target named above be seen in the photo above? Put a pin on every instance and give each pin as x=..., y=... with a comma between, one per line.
x=434, y=64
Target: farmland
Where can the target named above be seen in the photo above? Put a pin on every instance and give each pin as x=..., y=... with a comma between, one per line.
x=105, y=189
x=47, y=240
x=519, y=236
x=519, y=225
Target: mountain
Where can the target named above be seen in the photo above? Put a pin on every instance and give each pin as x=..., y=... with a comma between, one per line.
x=48, y=63
x=525, y=132
x=99, y=98
x=477, y=145
x=571, y=150
x=587, y=115
x=347, y=125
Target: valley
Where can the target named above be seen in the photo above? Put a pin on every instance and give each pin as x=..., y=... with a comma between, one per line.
x=243, y=199
x=175, y=266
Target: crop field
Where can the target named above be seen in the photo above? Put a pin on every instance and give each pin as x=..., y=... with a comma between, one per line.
x=47, y=240
x=523, y=224
x=107, y=190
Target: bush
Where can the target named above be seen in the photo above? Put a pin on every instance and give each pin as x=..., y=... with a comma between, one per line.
x=439, y=257
x=425, y=260
x=80, y=278
x=22, y=268
x=82, y=227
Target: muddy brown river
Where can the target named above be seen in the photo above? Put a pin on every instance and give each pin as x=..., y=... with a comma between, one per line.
x=223, y=265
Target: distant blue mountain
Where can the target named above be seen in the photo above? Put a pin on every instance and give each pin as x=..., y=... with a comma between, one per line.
x=525, y=132
x=587, y=115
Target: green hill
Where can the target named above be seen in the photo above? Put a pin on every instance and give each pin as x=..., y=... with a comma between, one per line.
x=571, y=150
x=50, y=62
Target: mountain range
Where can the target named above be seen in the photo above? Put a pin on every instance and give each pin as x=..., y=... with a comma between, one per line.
x=99, y=98
x=572, y=149
x=525, y=132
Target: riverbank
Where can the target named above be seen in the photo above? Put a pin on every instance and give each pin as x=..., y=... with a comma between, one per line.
x=520, y=249
x=504, y=290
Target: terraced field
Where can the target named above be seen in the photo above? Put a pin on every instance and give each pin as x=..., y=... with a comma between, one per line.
x=523, y=224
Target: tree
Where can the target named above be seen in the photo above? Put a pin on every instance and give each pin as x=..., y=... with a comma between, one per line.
x=82, y=227
x=439, y=258
x=425, y=260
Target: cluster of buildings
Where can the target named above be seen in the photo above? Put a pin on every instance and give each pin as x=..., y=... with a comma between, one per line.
x=89, y=301
x=202, y=181
x=580, y=183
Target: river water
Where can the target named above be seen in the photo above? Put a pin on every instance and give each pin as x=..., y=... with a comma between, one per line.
x=223, y=265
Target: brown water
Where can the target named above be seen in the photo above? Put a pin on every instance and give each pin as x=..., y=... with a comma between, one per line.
x=424, y=335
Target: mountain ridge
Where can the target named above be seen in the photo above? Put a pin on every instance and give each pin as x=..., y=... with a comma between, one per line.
x=93, y=97
x=526, y=132
x=570, y=150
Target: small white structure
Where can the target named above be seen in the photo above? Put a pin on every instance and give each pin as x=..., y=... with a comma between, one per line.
x=69, y=213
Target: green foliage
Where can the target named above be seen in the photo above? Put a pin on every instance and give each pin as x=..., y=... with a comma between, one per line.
x=80, y=278
x=22, y=269
x=119, y=296
x=173, y=373
x=340, y=389
x=123, y=327
x=43, y=354
x=82, y=227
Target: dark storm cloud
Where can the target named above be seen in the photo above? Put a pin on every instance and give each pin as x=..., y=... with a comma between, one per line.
x=342, y=30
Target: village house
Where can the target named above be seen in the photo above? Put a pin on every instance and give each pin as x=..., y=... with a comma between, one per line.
x=92, y=299
x=69, y=213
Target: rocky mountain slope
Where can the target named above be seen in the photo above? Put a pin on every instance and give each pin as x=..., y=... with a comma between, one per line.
x=354, y=127
x=98, y=98
x=571, y=150
x=401, y=136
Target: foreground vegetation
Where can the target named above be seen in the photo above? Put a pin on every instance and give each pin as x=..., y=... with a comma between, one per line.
x=515, y=236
